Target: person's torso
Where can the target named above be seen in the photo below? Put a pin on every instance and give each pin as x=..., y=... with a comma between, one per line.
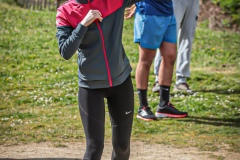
x=101, y=57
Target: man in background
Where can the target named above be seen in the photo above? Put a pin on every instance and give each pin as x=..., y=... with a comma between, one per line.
x=186, y=13
x=155, y=28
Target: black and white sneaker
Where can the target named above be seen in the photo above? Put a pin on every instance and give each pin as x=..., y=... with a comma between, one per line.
x=169, y=111
x=146, y=114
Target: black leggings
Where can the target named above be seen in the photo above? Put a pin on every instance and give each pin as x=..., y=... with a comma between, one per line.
x=120, y=100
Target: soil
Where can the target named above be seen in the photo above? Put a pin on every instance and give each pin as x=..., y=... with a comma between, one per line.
x=139, y=151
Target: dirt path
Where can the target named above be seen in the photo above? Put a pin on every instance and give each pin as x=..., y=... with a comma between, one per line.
x=139, y=151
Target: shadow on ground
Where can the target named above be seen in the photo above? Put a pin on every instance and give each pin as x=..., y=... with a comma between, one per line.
x=220, y=91
x=217, y=91
x=231, y=122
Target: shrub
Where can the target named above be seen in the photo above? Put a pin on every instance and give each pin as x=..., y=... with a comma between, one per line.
x=230, y=7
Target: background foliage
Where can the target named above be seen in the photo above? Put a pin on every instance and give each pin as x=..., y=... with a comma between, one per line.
x=230, y=7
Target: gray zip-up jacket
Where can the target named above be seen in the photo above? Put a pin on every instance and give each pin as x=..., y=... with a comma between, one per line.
x=102, y=61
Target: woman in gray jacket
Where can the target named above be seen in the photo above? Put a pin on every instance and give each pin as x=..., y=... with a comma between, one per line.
x=94, y=29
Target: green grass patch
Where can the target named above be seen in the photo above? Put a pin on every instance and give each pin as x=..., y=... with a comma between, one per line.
x=38, y=98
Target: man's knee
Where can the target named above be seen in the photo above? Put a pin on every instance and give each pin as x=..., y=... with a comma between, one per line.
x=146, y=63
x=170, y=57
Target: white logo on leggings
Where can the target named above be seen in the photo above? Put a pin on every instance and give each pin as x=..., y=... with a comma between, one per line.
x=128, y=112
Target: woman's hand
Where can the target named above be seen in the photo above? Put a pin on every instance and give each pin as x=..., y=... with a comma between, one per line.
x=129, y=12
x=90, y=17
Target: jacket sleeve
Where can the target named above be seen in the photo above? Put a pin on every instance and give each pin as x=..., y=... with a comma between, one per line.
x=69, y=39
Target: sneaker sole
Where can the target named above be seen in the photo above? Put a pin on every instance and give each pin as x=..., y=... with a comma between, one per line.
x=145, y=119
x=160, y=115
x=164, y=115
x=182, y=90
x=156, y=90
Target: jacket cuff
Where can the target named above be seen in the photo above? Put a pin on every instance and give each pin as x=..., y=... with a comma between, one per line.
x=80, y=30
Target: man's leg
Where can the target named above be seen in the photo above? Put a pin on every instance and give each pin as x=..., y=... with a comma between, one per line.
x=168, y=53
x=157, y=62
x=166, y=109
x=186, y=16
x=146, y=57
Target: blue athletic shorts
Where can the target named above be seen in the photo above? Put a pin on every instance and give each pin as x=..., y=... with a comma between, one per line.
x=150, y=31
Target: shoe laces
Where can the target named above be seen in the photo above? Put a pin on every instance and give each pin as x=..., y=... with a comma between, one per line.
x=148, y=109
x=170, y=105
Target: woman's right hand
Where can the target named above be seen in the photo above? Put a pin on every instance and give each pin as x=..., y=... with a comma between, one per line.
x=91, y=16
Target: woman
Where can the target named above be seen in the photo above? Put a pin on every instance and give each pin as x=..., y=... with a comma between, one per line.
x=94, y=29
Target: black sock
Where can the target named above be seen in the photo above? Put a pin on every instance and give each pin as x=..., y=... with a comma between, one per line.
x=164, y=95
x=142, y=94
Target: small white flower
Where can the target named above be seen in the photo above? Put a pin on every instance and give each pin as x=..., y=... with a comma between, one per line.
x=5, y=119
x=12, y=125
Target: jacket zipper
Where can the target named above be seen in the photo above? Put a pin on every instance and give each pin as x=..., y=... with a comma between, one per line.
x=105, y=55
x=104, y=50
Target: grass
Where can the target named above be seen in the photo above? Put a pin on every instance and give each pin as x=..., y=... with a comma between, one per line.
x=38, y=98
